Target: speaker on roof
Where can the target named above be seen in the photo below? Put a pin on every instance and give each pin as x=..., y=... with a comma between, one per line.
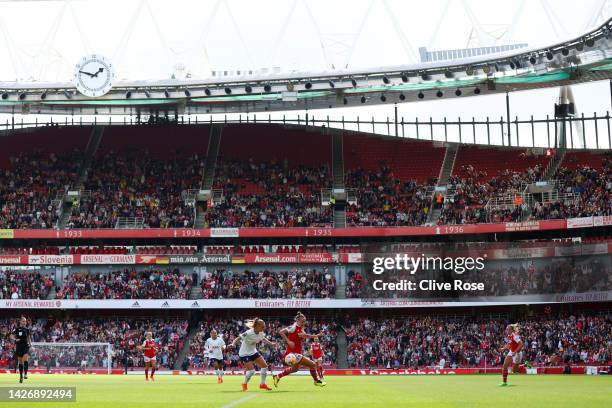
x=564, y=110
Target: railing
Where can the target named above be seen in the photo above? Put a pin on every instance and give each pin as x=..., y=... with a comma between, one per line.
x=556, y=196
x=582, y=132
x=351, y=196
x=509, y=200
x=217, y=196
x=85, y=193
x=189, y=196
x=325, y=196
x=129, y=223
x=194, y=209
x=449, y=193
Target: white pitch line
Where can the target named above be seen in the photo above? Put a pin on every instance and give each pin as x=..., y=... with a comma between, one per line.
x=240, y=401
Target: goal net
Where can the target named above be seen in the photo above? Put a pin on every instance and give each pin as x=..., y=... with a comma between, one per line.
x=72, y=356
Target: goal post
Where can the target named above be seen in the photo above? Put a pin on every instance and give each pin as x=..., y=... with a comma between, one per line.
x=77, y=356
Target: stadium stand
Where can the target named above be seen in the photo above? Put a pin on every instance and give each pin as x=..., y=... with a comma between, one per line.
x=126, y=284
x=267, y=182
x=128, y=182
x=36, y=168
x=125, y=335
x=24, y=285
x=263, y=180
x=268, y=194
x=297, y=283
x=420, y=341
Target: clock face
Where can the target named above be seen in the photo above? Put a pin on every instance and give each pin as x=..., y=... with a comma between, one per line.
x=93, y=75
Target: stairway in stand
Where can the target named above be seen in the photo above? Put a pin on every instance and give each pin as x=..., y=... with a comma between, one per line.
x=193, y=330
x=196, y=293
x=446, y=170
x=90, y=151
x=338, y=177
x=342, y=343
x=214, y=142
x=554, y=164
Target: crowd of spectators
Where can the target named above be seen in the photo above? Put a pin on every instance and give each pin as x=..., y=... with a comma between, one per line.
x=384, y=200
x=228, y=329
x=354, y=285
x=125, y=335
x=398, y=342
x=472, y=189
x=584, y=192
x=417, y=342
x=269, y=194
x=126, y=284
x=500, y=278
x=133, y=184
x=30, y=184
x=101, y=250
x=529, y=277
x=296, y=283
x=24, y=285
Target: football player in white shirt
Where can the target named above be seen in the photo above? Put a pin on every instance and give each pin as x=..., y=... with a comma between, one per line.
x=214, y=348
x=248, y=352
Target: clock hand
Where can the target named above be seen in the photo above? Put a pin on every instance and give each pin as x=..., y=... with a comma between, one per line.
x=99, y=71
x=87, y=73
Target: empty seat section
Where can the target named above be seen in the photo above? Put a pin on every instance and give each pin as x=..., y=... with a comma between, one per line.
x=407, y=159
x=495, y=161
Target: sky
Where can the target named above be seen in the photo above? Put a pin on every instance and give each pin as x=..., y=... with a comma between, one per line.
x=152, y=39
x=40, y=41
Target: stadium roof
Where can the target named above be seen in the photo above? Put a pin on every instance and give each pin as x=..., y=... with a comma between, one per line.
x=585, y=58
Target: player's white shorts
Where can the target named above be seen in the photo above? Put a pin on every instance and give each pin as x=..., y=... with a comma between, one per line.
x=150, y=359
x=517, y=358
x=318, y=360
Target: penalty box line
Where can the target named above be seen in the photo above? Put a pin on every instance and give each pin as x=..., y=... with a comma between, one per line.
x=239, y=401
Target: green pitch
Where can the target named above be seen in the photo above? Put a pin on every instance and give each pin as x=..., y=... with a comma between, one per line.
x=470, y=391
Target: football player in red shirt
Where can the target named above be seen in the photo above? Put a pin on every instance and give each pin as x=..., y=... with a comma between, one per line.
x=149, y=348
x=293, y=336
x=316, y=352
x=514, y=345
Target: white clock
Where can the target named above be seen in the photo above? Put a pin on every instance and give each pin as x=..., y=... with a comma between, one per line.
x=94, y=75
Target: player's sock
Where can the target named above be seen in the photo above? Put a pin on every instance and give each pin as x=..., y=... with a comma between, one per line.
x=263, y=373
x=505, y=375
x=320, y=372
x=248, y=375
x=25, y=368
x=314, y=375
x=146, y=372
x=20, y=369
x=285, y=372
x=152, y=371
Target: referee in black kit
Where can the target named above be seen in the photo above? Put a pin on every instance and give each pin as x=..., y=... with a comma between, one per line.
x=21, y=336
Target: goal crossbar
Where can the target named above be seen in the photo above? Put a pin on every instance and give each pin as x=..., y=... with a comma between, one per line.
x=67, y=344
